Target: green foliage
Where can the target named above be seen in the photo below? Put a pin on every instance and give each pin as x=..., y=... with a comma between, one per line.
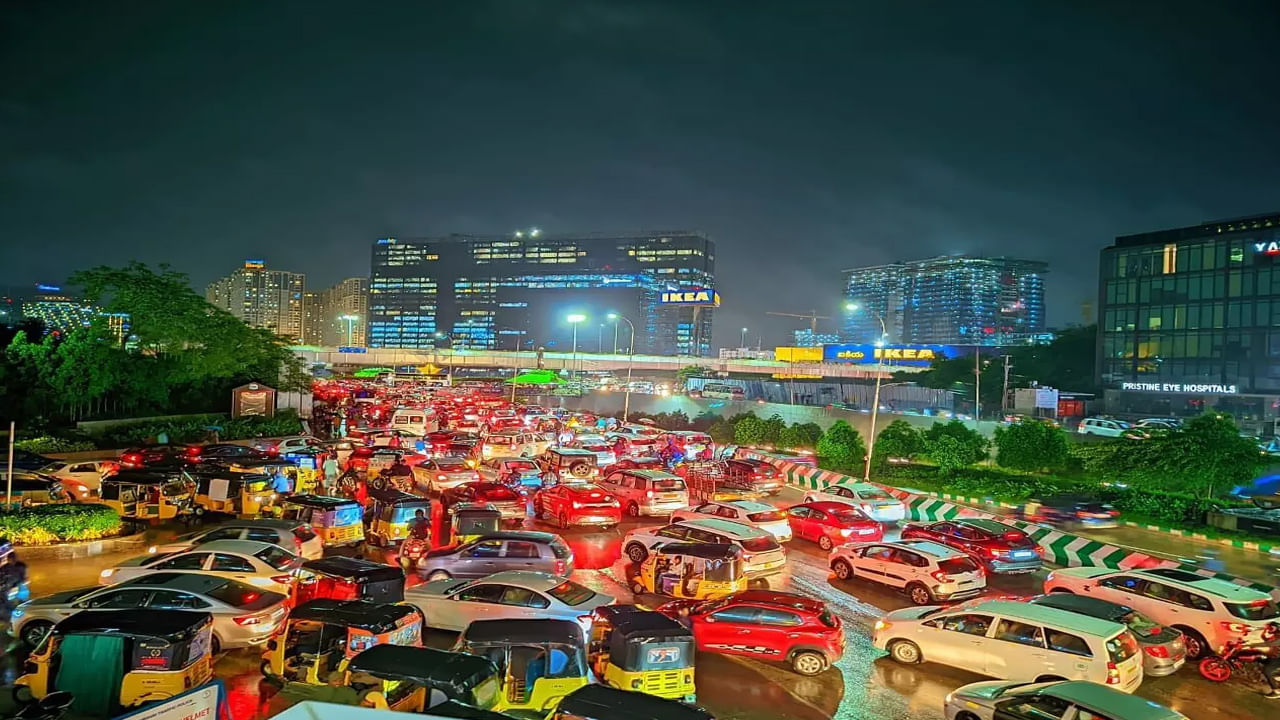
x=954, y=445
x=800, y=435
x=841, y=449
x=721, y=432
x=688, y=371
x=750, y=430
x=773, y=428
x=671, y=421
x=704, y=420
x=1031, y=445
x=898, y=440
x=49, y=444
x=48, y=524
x=192, y=429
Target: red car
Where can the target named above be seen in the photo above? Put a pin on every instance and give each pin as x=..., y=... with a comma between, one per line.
x=831, y=523
x=360, y=458
x=570, y=504
x=153, y=456
x=510, y=503
x=765, y=625
x=635, y=463
x=498, y=424
x=999, y=547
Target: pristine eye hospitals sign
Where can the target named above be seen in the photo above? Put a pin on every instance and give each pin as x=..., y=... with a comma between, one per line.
x=1209, y=388
x=901, y=355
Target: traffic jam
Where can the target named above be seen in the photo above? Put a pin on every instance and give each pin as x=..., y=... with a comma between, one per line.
x=449, y=551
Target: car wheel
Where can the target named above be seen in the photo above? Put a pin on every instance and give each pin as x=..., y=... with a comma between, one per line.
x=438, y=575
x=22, y=695
x=563, y=520
x=215, y=645
x=637, y=552
x=1194, y=642
x=919, y=594
x=808, y=663
x=842, y=569
x=825, y=543
x=33, y=633
x=905, y=652
x=633, y=509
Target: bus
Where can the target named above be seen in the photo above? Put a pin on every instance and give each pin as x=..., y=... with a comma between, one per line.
x=723, y=391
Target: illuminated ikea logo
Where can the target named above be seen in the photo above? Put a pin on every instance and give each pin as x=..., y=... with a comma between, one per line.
x=691, y=297
x=1268, y=248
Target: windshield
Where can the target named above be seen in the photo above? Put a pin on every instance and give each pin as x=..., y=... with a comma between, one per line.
x=521, y=466
x=760, y=544
x=275, y=557
x=767, y=516
x=874, y=495
x=236, y=594
x=1256, y=610
x=451, y=465
x=668, y=484
x=571, y=593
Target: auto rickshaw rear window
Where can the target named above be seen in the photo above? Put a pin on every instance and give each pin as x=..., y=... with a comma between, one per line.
x=275, y=557
x=571, y=593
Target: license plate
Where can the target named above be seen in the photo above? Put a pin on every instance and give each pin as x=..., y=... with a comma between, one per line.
x=1021, y=554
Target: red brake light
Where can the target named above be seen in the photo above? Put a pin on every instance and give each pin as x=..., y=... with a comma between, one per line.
x=282, y=579
x=561, y=568
x=1157, y=651
x=248, y=620
x=1012, y=535
x=1113, y=675
x=940, y=576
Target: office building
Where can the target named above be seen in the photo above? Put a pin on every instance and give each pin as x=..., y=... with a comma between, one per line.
x=807, y=338
x=61, y=312
x=268, y=299
x=950, y=300
x=1190, y=320
x=518, y=291
x=337, y=316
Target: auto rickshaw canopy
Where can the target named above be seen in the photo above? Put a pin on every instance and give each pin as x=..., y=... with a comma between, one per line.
x=320, y=502
x=721, y=561
x=647, y=640
x=372, y=581
x=597, y=702
x=374, y=618
x=169, y=625
x=453, y=673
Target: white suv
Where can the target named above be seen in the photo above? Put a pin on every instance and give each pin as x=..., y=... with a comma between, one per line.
x=761, y=551
x=929, y=572
x=647, y=492
x=1208, y=611
x=1103, y=427
x=757, y=515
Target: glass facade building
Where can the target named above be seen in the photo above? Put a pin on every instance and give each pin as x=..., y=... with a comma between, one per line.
x=262, y=298
x=517, y=291
x=1190, y=320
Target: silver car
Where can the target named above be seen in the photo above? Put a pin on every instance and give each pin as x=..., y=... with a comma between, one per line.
x=498, y=552
x=243, y=615
x=293, y=535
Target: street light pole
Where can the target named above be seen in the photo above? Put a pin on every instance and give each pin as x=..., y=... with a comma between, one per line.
x=875, y=400
x=615, y=334
x=573, y=362
x=743, y=344
x=351, y=321
x=631, y=361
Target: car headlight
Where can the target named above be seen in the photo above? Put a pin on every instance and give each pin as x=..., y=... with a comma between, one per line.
x=947, y=699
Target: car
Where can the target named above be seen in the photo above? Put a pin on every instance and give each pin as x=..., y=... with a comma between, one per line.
x=392, y=437
x=1071, y=511
x=512, y=444
x=496, y=552
x=153, y=456
x=27, y=460
x=262, y=565
x=243, y=615
x=438, y=474
x=928, y=572
x=757, y=515
x=831, y=523
x=599, y=445
x=1104, y=427
x=221, y=453
x=510, y=503
x=518, y=473
x=1207, y=611
x=759, y=475
x=998, y=547
x=289, y=444
x=502, y=423
x=1010, y=640
x=512, y=595
x=872, y=500
x=633, y=445
x=765, y=625
x=1163, y=649
x=635, y=463
x=564, y=464
x=572, y=504
x=292, y=535
x=647, y=492
x=1067, y=698
x=85, y=476
x=761, y=554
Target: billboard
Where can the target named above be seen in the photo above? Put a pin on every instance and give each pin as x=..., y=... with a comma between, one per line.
x=901, y=355
x=691, y=296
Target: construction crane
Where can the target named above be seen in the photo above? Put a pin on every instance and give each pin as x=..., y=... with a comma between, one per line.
x=813, y=317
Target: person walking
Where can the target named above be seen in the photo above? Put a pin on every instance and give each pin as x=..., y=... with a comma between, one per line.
x=331, y=473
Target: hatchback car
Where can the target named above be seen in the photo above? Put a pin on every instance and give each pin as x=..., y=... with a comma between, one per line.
x=757, y=515
x=513, y=595
x=1000, y=548
x=927, y=571
x=1073, y=698
x=438, y=474
x=259, y=564
x=760, y=550
x=510, y=503
x=243, y=615
x=875, y=502
x=572, y=504
x=647, y=492
x=1163, y=650
x=765, y=625
x=85, y=474
x=498, y=552
x=831, y=523
x=292, y=535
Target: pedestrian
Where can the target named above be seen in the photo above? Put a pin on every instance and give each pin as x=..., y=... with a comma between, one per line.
x=1270, y=646
x=330, y=468
x=395, y=441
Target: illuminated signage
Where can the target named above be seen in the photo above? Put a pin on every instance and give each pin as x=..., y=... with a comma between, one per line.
x=907, y=355
x=1267, y=248
x=700, y=296
x=254, y=264
x=49, y=288
x=1208, y=388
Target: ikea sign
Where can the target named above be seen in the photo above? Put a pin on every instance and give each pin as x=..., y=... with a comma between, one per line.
x=697, y=296
x=901, y=355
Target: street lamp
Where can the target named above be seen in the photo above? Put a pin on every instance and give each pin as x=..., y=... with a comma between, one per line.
x=351, y=322
x=743, y=344
x=875, y=402
x=631, y=360
x=614, y=318
x=574, y=319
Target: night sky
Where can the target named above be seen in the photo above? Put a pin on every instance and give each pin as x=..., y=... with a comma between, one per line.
x=804, y=137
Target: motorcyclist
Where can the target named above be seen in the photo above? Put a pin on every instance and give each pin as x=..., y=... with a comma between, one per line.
x=1270, y=646
x=419, y=526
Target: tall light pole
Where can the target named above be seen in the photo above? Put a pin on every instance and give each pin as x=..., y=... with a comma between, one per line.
x=614, y=318
x=574, y=319
x=600, y=339
x=631, y=361
x=351, y=323
x=743, y=344
x=875, y=401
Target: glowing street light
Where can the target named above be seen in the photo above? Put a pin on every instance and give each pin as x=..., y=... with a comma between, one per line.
x=574, y=319
x=743, y=344
x=351, y=320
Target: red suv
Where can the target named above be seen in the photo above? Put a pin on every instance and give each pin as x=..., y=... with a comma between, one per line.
x=999, y=547
x=569, y=504
x=766, y=625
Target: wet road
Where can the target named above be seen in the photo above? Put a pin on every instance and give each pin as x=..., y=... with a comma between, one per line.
x=865, y=684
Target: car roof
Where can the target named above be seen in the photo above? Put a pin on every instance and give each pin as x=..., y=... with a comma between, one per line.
x=745, y=505
x=725, y=527
x=777, y=597
x=244, y=547
x=1049, y=616
x=991, y=526
x=270, y=523
x=650, y=474
x=531, y=579
x=829, y=506
x=530, y=535
x=1113, y=703
x=193, y=582
x=926, y=547
x=857, y=485
x=1213, y=586
x=1094, y=607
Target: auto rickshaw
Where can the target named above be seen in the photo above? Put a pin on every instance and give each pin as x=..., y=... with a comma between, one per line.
x=540, y=661
x=147, y=495
x=338, y=521
x=642, y=651
x=389, y=514
x=270, y=466
x=345, y=578
x=233, y=493
x=695, y=571
x=597, y=702
x=471, y=522
x=309, y=462
x=415, y=679
x=112, y=660
x=320, y=638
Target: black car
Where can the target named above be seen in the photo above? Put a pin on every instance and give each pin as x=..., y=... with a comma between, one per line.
x=223, y=453
x=24, y=460
x=153, y=456
x=1071, y=511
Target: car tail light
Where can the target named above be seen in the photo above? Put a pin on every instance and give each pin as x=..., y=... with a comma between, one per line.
x=1113, y=674
x=131, y=459
x=1235, y=627
x=1012, y=535
x=249, y=620
x=297, y=543
x=561, y=568
x=281, y=579
x=1157, y=651
x=940, y=576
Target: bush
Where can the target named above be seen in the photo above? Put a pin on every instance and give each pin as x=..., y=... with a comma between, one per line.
x=841, y=449
x=898, y=440
x=48, y=524
x=192, y=429
x=800, y=435
x=721, y=432
x=1031, y=445
x=48, y=444
x=750, y=430
x=954, y=445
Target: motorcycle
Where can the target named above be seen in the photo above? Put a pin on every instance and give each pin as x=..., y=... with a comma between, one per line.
x=413, y=549
x=1235, y=657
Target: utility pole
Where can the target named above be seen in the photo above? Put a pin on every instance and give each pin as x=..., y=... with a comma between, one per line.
x=977, y=387
x=1004, y=396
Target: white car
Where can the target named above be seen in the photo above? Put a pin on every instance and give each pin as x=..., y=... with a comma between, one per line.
x=438, y=474
x=1073, y=698
x=928, y=572
x=757, y=515
x=760, y=550
x=1103, y=427
x=87, y=473
x=292, y=535
x=1209, y=612
x=260, y=564
x=871, y=500
x=512, y=595
x=290, y=444
x=597, y=444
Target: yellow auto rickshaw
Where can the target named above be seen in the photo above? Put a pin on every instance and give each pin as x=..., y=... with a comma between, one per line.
x=303, y=480
x=389, y=514
x=113, y=660
x=148, y=495
x=698, y=571
x=642, y=651
x=597, y=702
x=338, y=521
x=321, y=636
x=472, y=522
x=415, y=679
x=308, y=472
x=233, y=493
x=540, y=661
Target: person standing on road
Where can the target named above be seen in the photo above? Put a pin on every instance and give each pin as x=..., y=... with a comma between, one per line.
x=1270, y=645
x=330, y=468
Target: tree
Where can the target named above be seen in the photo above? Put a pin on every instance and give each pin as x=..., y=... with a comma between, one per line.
x=898, y=440
x=704, y=420
x=949, y=454
x=722, y=432
x=773, y=428
x=841, y=449
x=1031, y=445
x=954, y=445
x=800, y=435
x=750, y=430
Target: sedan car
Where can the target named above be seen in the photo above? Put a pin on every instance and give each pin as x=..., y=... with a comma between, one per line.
x=831, y=523
x=243, y=615
x=438, y=474
x=153, y=456
x=85, y=474
x=571, y=504
x=510, y=503
x=260, y=564
x=999, y=547
x=1074, y=698
x=222, y=453
x=757, y=515
x=292, y=535
x=878, y=504
x=517, y=595
x=496, y=552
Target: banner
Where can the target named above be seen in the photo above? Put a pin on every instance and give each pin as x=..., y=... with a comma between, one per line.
x=207, y=702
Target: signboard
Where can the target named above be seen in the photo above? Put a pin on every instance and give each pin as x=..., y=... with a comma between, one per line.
x=348, y=349
x=207, y=702
x=1206, y=388
x=253, y=399
x=1267, y=248
x=904, y=355
x=695, y=296
x=1047, y=398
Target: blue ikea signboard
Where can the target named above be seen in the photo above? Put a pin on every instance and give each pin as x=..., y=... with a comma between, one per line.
x=901, y=355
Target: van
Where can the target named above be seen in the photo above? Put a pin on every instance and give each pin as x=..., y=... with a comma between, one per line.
x=414, y=420
x=1014, y=641
x=1103, y=427
x=761, y=552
